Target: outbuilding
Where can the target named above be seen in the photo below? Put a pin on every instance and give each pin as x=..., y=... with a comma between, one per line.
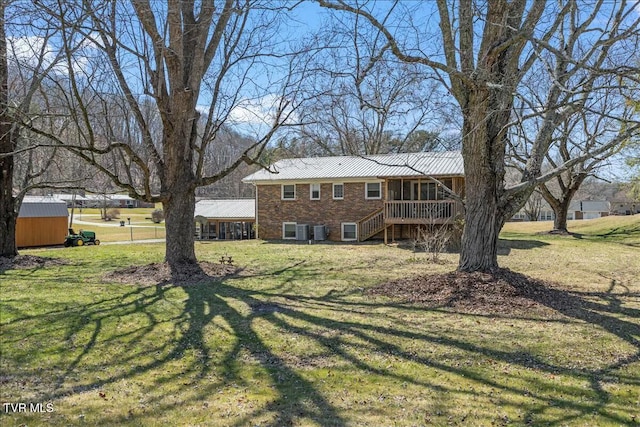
x=42, y=221
x=228, y=219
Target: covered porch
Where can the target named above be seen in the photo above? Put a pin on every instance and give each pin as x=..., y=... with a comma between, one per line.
x=413, y=202
x=422, y=200
x=215, y=229
x=421, y=212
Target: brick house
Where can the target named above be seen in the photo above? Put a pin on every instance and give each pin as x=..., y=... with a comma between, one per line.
x=357, y=198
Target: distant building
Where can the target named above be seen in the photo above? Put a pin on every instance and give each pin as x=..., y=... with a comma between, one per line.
x=102, y=200
x=588, y=209
x=580, y=209
x=625, y=208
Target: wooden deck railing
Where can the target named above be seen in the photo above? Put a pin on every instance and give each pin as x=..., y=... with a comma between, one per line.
x=421, y=211
x=371, y=224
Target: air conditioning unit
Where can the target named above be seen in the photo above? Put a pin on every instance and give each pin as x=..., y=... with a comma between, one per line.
x=302, y=232
x=319, y=232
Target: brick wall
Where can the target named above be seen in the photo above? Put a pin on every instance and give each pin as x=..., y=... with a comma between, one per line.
x=273, y=211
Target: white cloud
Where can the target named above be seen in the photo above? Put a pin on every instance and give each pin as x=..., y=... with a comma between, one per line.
x=261, y=111
x=28, y=51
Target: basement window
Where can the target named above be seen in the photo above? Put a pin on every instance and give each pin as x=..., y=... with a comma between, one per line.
x=349, y=231
x=288, y=230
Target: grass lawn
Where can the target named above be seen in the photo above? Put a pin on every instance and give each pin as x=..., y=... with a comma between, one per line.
x=293, y=339
x=138, y=225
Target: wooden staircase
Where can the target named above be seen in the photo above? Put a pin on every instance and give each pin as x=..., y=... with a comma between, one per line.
x=371, y=225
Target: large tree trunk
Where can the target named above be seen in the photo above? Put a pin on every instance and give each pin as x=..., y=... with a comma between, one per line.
x=560, y=205
x=179, y=212
x=560, y=220
x=8, y=215
x=7, y=223
x=482, y=226
x=483, y=150
x=179, y=203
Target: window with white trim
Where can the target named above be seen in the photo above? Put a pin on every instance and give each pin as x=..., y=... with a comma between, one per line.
x=314, y=191
x=349, y=231
x=338, y=191
x=288, y=230
x=288, y=191
x=373, y=190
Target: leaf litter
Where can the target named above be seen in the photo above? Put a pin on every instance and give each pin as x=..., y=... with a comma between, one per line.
x=501, y=292
x=161, y=273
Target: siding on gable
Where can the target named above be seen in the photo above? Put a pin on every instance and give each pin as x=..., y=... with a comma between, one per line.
x=273, y=211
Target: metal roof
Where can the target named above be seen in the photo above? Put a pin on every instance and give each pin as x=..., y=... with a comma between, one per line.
x=227, y=209
x=67, y=197
x=595, y=206
x=42, y=207
x=100, y=197
x=448, y=163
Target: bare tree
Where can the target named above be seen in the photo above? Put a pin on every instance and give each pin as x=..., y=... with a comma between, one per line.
x=368, y=102
x=533, y=208
x=633, y=154
x=140, y=73
x=598, y=118
x=8, y=214
x=483, y=51
x=26, y=58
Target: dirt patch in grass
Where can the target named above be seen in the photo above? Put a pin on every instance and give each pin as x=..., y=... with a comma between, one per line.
x=502, y=292
x=25, y=262
x=160, y=273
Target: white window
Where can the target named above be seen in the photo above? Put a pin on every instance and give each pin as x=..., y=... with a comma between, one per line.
x=314, y=191
x=288, y=192
x=349, y=231
x=372, y=190
x=288, y=230
x=338, y=191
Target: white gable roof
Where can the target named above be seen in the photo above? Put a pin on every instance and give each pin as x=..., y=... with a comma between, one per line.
x=230, y=209
x=448, y=163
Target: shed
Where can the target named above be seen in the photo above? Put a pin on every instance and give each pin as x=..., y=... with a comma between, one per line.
x=225, y=219
x=42, y=221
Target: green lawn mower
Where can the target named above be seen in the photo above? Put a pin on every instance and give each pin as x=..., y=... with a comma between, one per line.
x=81, y=239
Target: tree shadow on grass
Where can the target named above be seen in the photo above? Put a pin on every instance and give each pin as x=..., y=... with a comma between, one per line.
x=603, y=309
x=624, y=235
x=28, y=262
x=506, y=245
x=345, y=332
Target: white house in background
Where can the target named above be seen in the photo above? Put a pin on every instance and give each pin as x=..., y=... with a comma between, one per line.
x=588, y=209
x=100, y=200
x=623, y=207
x=545, y=214
x=580, y=209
